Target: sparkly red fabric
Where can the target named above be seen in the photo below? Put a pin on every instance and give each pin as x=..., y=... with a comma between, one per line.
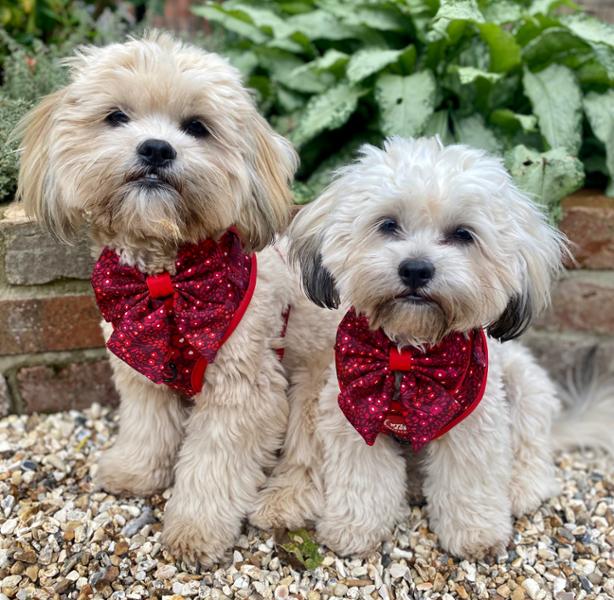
x=170, y=327
x=415, y=396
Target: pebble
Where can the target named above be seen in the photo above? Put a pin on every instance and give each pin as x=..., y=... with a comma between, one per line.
x=8, y=527
x=64, y=540
x=340, y=589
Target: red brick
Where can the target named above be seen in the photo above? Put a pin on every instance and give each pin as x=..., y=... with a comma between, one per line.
x=49, y=323
x=74, y=386
x=582, y=301
x=588, y=221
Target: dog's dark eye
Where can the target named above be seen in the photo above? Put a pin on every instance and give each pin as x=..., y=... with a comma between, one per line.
x=195, y=128
x=389, y=226
x=116, y=118
x=460, y=235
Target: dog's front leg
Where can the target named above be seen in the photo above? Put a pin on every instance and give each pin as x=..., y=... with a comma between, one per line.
x=293, y=493
x=151, y=419
x=232, y=436
x=467, y=475
x=364, y=486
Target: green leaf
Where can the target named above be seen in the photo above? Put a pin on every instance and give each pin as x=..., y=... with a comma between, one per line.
x=382, y=18
x=329, y=110
x=405, y=103
x=502, y=11
x=511, y=121
x=438, y=125
x=315, y=76
x=288, y=100
x=278, y=62
x=599, y=34
x=235, y=21
x=308, y=79
x=557, y=102
x=468, y=75
x=505, y=53
x=369, y=61
x=321, y=25
x=245, y=61
x=590, y=29
x=552, y=45
x=332, y=61
x=302, y=547
x=474, y=132
x=453, y=11
x=546, y=6
x=548, y=177
x=266, y=20
x=322, y=175
x=599, y=109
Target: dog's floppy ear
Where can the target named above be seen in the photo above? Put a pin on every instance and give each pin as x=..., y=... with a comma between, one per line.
x=539, y=252
x=37, y=185
x=306, y=236
x=514, y=320
x=272, y=163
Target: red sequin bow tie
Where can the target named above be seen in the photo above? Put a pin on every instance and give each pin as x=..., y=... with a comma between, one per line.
x=170, y=327
x=436, y=389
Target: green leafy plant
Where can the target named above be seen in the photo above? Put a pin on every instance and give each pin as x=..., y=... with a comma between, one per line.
x=520, y=78
x=31, y=68
x=300, y=549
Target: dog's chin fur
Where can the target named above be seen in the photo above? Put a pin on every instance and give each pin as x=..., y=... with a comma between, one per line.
x=81, y=171
x=496, y=462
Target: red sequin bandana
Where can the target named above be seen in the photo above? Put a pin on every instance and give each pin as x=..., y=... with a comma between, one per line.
x=415, y=396
x=169, y=328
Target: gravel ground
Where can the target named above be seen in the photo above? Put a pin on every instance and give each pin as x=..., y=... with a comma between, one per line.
x=61, y=540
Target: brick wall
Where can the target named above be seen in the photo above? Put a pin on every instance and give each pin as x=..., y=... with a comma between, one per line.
x=582, y=313
x=51, y=355
x=604, y=9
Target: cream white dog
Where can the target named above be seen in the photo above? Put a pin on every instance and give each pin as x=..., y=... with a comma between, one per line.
x=152, y=147
x=429, y=246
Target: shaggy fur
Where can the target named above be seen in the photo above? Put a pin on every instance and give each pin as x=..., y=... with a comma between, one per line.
x=494, y=257
x=80, y=169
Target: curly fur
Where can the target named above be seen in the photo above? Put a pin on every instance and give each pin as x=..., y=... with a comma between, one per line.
x=497, y=462
x=78, y=170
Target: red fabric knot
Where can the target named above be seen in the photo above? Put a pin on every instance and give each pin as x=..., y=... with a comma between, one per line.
x=171, y=340
x=160, y=286
x=437, y=387
x=399, y=360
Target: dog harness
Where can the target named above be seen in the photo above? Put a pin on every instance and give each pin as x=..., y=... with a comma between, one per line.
x=170, y=327
x=411, y=394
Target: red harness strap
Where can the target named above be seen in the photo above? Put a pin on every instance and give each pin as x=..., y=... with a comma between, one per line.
x=286, y=317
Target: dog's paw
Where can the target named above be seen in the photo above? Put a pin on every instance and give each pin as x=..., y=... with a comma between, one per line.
x=278, y=508
x=347, y=539
x=117, y=475
x=198, y=549
x=526, y=497
x=289, y=504
x=471, y=542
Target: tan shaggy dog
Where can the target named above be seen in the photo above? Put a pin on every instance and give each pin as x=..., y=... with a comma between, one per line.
x=154, y=144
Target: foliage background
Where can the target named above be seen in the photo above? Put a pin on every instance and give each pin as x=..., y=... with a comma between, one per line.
x=531, y=80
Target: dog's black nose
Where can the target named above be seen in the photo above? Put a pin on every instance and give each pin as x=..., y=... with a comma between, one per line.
x=416, y=272
x=156, y=153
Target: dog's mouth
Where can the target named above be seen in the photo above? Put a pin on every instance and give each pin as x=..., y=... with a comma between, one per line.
x=152, y=179
x=415, y=298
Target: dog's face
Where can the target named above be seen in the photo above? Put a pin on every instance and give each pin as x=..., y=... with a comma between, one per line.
x=153, y=142
x=425, y=240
